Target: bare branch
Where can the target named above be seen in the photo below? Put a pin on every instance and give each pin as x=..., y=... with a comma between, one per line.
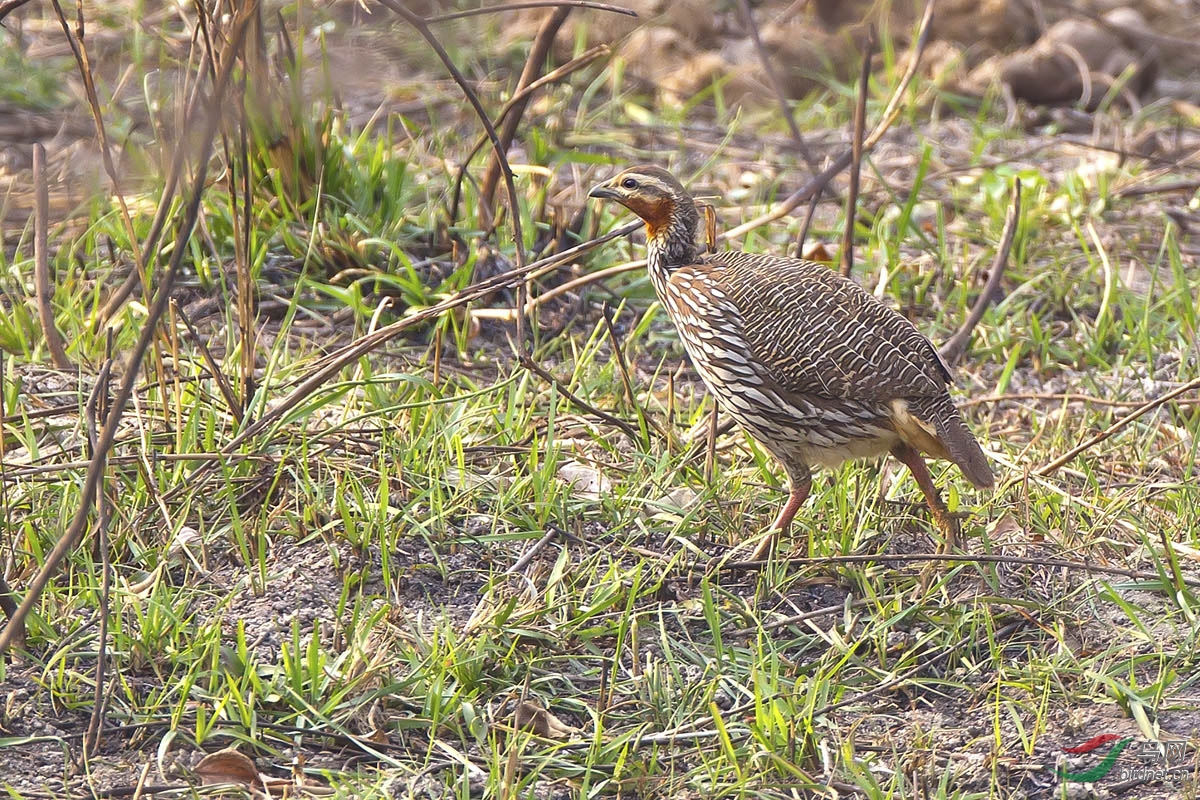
x=856, y=155
x=475, y=12
x=954, y=347
x=1123, y=422
x=43, y=286
x=508, y=130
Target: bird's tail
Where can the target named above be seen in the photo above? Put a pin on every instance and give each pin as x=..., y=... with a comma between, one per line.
x=964, y=450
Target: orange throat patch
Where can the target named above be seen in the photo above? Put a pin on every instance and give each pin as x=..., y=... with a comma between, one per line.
x=656, y=215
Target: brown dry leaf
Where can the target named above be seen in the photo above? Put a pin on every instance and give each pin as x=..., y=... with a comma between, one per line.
x=1005, y=529
x=531, y=716
x=229, y=766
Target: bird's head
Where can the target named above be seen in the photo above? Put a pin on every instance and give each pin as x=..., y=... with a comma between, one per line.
x=657, y=197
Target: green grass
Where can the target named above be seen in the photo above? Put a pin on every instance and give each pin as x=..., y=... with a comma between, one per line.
x=342, y=586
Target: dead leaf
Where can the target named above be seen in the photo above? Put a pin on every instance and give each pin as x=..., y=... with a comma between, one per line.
x=229, y=766
x=531, y=716
x=585, y=481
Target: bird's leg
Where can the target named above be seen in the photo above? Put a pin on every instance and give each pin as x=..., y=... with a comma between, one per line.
x=941, y=515
x=800, y=485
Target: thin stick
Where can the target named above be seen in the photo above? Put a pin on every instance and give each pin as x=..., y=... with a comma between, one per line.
x=856, y=154
x=953, y=349
x=619, y=355
x=542, y=43
x=497, y=145
x=9, y=6
x=157, y=225
x=890, y=113
x=1062, y=397
x=537, y=369
x=583, y=280
x=43, y=286
x=498, y=149
x=808, y=218
x=226, y=390
x=777, y=86
x=475, y=12
x=7, y=602
x=710, y=442
x=626, y=379
x=75, y=40
x=522, y=562
x=574, y=65
x=95, y=409
x=1123, y=422
x=963, y=558
x=75, y=530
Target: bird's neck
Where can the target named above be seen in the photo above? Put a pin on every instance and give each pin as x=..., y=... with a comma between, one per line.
x=672, y=244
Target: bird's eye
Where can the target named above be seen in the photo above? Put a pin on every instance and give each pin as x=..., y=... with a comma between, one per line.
x=629, y=183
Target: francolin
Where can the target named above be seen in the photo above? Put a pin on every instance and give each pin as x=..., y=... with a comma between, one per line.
x=806, y=361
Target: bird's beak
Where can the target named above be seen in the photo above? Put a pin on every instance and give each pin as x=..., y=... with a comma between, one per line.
x=602, y=190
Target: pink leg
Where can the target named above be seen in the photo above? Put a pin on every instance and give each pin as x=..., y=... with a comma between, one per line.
x=801, y=485
x=941, y=515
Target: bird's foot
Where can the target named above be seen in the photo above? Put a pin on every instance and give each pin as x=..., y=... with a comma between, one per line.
x=746, y=552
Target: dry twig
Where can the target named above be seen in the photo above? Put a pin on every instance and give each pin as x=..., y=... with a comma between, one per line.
x=890, y=113
x=1123, y=422
x=575, y=64
x=75, y=40
x=952, y=350
x=956, y=558
x=43, y=286
x=226, y=390
x=96, y=409
x=508, y=129
x=9, y=6
x=856, y=155
x=517, y=6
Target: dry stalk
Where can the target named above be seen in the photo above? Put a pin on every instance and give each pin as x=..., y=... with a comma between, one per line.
x=508, y=129
x=890, y=113
x=626, y=377
x=498, y=149
x=856, y=154
x=574, y=65
x=954, y=558
x=43, y=286
x=226, y=390
x=96, y=409
x=9, y=6
x=1123, y=422
x=79, y=50
x=7, y=602
x=158, y=224
x=518, y=6
x=953, y=349
x=1065, y=397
